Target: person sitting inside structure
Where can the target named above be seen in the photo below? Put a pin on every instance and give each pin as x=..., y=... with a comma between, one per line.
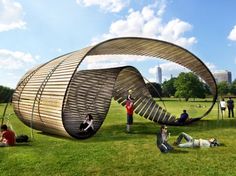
x=87, y=124
x=129, y=96
x=8, y=137
x=183, y=117
x=193, y=143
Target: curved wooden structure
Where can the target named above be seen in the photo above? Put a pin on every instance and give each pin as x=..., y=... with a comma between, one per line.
x=55, y=97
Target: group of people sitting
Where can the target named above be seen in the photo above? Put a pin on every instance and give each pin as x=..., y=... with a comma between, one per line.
x=165, y=147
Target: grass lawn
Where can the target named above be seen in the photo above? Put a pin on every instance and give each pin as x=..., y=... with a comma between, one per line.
x=113, y=152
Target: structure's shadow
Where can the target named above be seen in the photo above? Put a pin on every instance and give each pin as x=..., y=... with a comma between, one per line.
x=204, y=125
x=23, y=144
x=178, y=151
x=141, y=130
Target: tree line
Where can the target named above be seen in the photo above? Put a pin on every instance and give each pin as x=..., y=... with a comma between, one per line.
x=226, y=89
x=188, y=85
x=5, y=94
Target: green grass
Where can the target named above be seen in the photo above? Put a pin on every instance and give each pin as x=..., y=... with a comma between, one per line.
x=113, y=152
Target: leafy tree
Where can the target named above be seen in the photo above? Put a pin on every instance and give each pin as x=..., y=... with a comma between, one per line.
x=154, y=89
x=5, y=94
x=223, y=88
x=168, y=88
x=233, y=87
x=207, y=89
x=188, y=85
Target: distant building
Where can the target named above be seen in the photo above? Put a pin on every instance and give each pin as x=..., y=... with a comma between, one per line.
x=159, y=75
x=223, y=76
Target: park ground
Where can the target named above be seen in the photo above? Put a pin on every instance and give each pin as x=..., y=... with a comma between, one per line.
x=112, y=151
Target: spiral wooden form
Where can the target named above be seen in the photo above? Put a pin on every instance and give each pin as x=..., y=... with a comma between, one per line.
x=55, y=97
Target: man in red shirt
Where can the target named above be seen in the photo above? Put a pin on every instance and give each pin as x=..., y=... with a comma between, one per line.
x=129, y=108
x=8, y=137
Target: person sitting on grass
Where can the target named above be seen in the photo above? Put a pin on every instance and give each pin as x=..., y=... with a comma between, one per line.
x=183, y=117
x=195, y=143
x=7, y=137
x=162, y=138
x=87, y=124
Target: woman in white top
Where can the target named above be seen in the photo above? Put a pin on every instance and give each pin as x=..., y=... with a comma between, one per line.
x=202, y=143
x=223, y=106
x=87, y=124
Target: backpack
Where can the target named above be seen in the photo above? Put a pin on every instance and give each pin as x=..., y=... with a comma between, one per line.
x=22, y=138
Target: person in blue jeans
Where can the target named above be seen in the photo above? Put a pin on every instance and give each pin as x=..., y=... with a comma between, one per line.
x=162, y=138
x=230, y=105
x=195, y=143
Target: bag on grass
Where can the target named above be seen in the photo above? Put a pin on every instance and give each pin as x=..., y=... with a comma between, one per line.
x=22, y=138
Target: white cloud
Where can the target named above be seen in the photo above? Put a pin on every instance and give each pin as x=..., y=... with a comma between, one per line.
x=95, y=62
x=232, y=34
x=150, y=80
x=11, y=15
x=211, y=66
x=148, y=22
x=12, y=60
x=107, y=5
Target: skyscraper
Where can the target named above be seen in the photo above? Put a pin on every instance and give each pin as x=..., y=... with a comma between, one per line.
x=223, y=76
x=159, y=75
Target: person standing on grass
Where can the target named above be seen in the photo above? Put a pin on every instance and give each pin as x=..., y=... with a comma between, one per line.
x=162, y=138
x=129, y=109
x=222, y=106
x=7, y=137
x=230, y=105
x=195, y=143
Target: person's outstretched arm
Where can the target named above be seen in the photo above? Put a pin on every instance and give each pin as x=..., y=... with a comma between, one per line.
x=89, y=125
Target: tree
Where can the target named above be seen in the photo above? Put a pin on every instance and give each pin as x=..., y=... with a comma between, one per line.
x=188, y=85
x=207, y=89
x=5, y=94
x=168, y=88
x=154, y=89
x=223, y=88
x=233, y=87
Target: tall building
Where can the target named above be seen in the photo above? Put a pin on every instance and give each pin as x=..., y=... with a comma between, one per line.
x=159, y=75
x=223, y=76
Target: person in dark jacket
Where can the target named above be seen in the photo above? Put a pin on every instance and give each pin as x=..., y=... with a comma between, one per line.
x=230, y=105
x=183, y=117
x=162, y=138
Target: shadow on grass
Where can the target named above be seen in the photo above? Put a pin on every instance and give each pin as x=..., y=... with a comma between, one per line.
x=142, y=130
x=23, y=144
x=55, y=136
x=178, y=151
x=204, y=125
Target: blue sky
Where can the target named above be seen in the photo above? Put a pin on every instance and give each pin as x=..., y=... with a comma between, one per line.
x=34, y=32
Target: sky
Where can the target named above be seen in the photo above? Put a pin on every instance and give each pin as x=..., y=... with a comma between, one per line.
x=33, y=32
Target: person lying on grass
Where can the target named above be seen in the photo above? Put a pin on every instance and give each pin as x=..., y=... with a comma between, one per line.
x=192, y=143
x=7, y=137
